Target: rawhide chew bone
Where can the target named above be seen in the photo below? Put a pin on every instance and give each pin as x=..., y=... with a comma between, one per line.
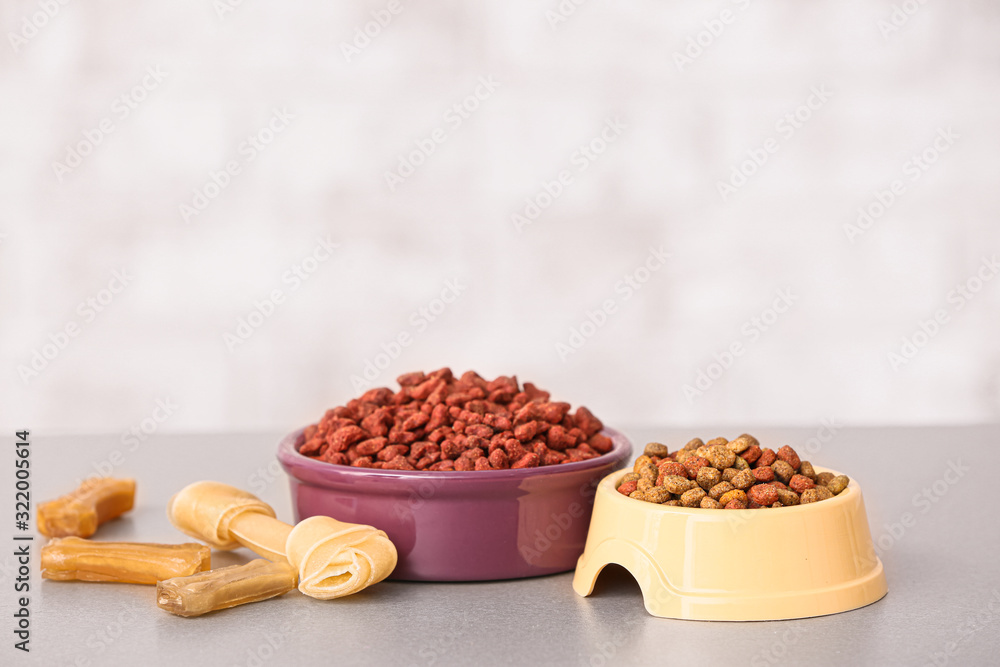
x=80, y=512
x=74, y=558
x=333, y=558
x=225, y=587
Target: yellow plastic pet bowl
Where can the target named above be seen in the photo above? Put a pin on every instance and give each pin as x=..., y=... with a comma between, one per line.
x=736, y=565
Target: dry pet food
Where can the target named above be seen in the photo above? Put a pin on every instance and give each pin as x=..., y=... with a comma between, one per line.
x=733, y=474
x=437, y=421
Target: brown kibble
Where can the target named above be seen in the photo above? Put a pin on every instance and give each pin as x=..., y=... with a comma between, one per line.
x=708, y=477
x=641, y=462
x=672, y=503
x=810, y=496
x=720, y=489
x=783, y=470
x=744, y=479
x=677, y=484
x=693, y=497
x=629, y=477
x=788, y=455
x=815, y=494
x=716, y=442
x=657, y=494
x=735, y=494
x=823, y=478
x=787, y=497
x=799, y=483
x=763, y=494
x=683, y=455
x=741, y=444
x=838, y=484
x=806, y=468
x=741, y=464
x=776, y=505
x=708, y=503
x=657, y=449
x=693, y=445
x=644, y=484
x=648, y=471
x=638, y=495
x=728, y=474
x=720, y=457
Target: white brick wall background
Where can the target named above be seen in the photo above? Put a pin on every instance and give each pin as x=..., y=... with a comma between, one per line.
x=525, y=291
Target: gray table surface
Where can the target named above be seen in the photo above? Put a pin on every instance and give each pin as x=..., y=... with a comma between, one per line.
x=943, y=605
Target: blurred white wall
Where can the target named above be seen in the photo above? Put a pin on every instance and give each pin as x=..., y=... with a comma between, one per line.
x=287, y=123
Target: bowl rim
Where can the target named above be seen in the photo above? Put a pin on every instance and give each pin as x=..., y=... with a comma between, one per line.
x=289, y=457
x=609, y=482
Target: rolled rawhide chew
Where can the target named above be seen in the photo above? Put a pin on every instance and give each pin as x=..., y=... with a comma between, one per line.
x=333, y=558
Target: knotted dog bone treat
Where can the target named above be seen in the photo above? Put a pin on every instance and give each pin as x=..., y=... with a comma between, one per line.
x=74, y=558
x=225, y=587
x=333, y=558
x=81, y=511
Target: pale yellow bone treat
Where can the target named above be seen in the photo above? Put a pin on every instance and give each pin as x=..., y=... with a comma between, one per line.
x=73, y=558
x=333, y=558
x=226, y=587
x=81, y=511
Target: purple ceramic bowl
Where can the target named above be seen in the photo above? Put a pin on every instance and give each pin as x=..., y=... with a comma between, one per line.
x=460, y=526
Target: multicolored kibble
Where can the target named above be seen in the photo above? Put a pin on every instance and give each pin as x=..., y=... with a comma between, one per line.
x=728, y=474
